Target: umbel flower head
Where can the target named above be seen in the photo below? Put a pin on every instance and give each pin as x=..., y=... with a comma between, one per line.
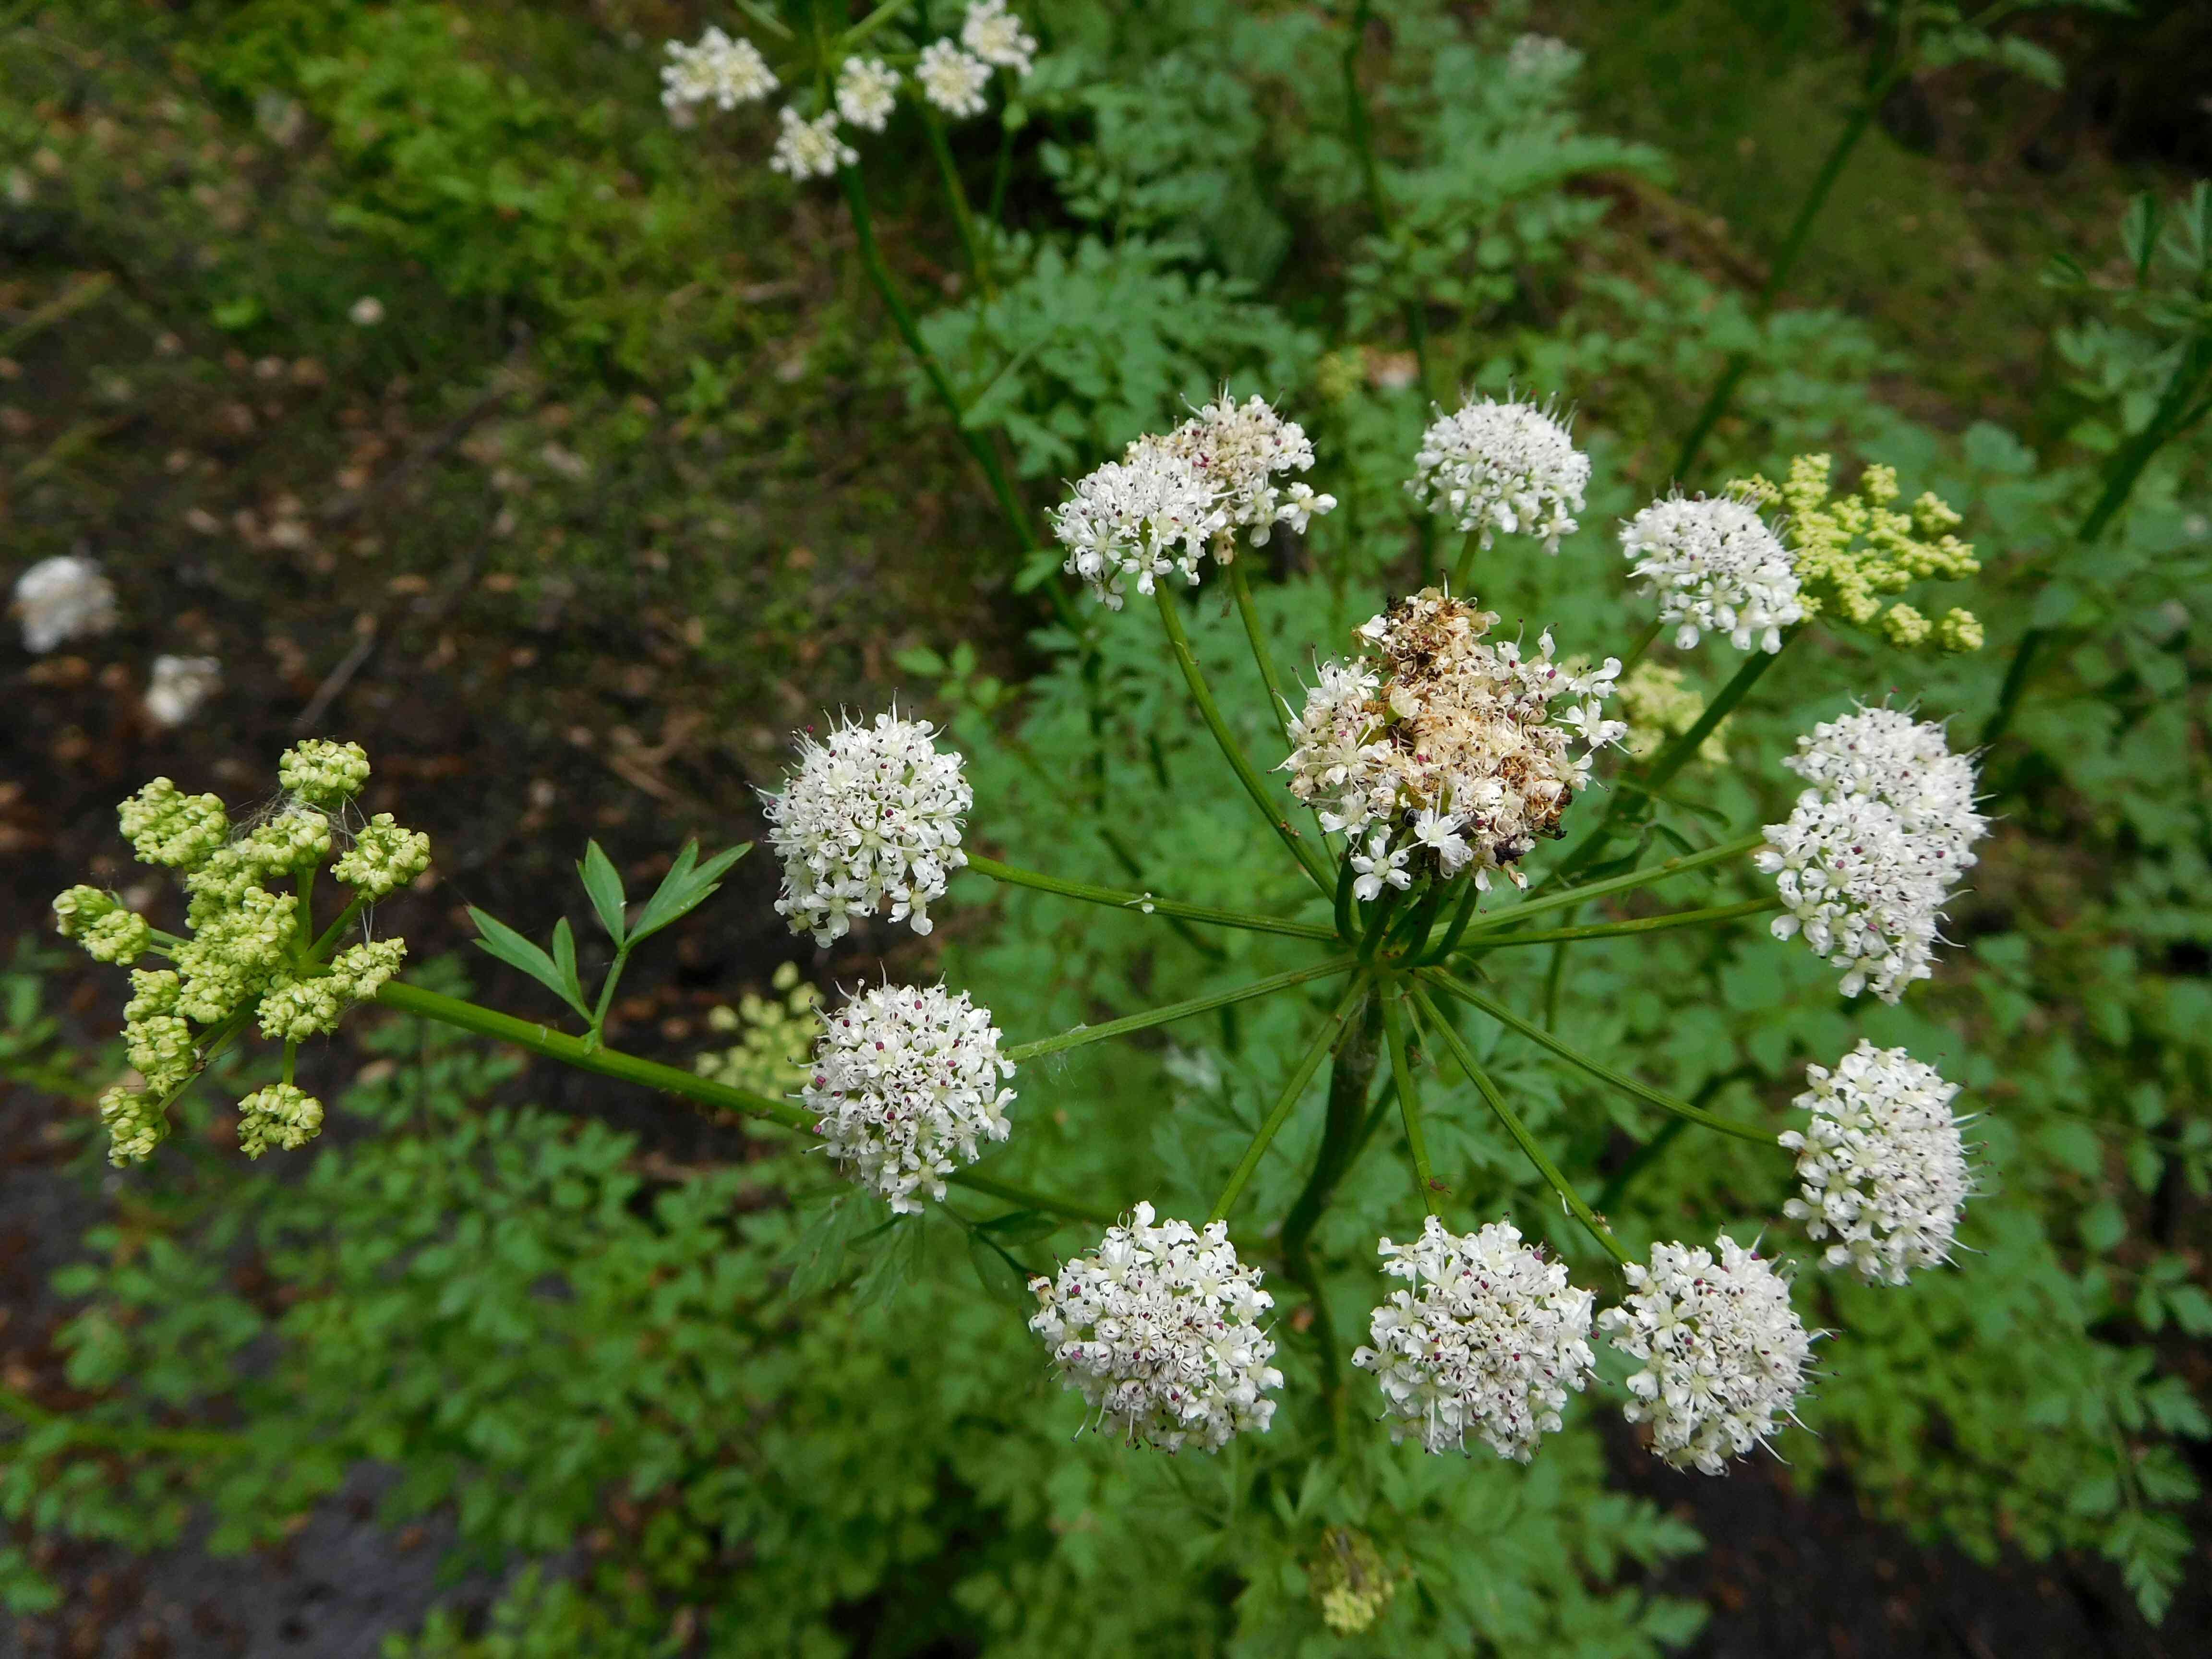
x=872, y=816
x=1872, y=851
x=1882, y=1164
x=952, y=79
x=1723, y=1351
x=1158, y=1329
x=718, y=70
x=63, y=598
x=867, y=90
x=1491, y=467
x=1715, y=568
x=179, y=687
x=246, y=952
x=906, y=1086
x=1238, y=450
x=1444, y=743
x=1489, y=1339
x=1137, y=520
x=995, y=35
x=809, y=149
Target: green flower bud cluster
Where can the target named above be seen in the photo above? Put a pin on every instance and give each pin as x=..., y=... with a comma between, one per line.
x=1652, y=698
x=253, y=948
x=1351, y=1581
x=1851, y=550
x=774, y=1055
x=278, y=1115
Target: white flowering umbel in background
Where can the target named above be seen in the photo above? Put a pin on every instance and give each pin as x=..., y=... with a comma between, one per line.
x=1491, y=468
x=1444, y=752
x=872, y=817
x=1158, y=1329
x=179, y=687
x=1715, y=568
x=61, y=599
x=907, y=1084
x=1488, y=1341
x=1882, y=1162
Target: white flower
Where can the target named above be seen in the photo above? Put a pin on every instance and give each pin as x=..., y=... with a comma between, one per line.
x=1541, y=55
x=905, y=1085
x=63, y=598
x=952, y=79
x=1158, y=1329
x=1378, y=866
x=1723, y=1351
x=1238, y=449
x=1882, y=1164
x=1490, y=1338
x=996, y=36
x=179, y=687
x=810, y=149
x=872, y=814
x=1439, y=725
x=866, y=91
x=1510, y=466
x=1138, y=518
x=718, y=70
x=366, y=311
x=1874, y=850
x=1716, y=568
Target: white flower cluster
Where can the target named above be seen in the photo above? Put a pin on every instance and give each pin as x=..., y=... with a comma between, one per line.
x=1512, y=466
x=718, y=70
x=1716, y=568
x=906, y=1084
x=1874, y=850
x=1169, y=500
x=1490, y=1339
x=1439, y=742
x=1158, y=1329
x=1882, y=1164
x=180, y=688
x=873, y=814
x=63, y=598
x=1723, y=1351
x=953, y=77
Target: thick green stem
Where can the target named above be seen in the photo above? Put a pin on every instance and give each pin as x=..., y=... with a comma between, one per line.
x=1641, y=644
x=1627, y=1085
x=1174, y=1010
x=1241, y=586
x=543, y=1040
x=1521, y=1137
x=1325, y=1040
x=188, y=1442
x=1627, y=881
x=1121, y=898
x=1409, y=1100
x=1717, y=913
x=1312, y=860
x=963, y=217
x=331, y=934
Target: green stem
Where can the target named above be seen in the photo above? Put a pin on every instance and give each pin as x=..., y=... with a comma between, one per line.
x=1378, y=204
x=1386, y=903
x=1294, y=1088
x=1514, y=1127
x=1312, y=862
x=1460, y=917
x=1643, y=1091
x=666, y=1079
x=1241, y=586
x=331, y=934
x=1174, y=1010
x=1629, y=881
x=1409, y=1099
x=1463, y=571
x=963, y=217
x=1119, y=898
x=194, y=1443
x=1718, y=912
x=607, y=991
x=1643, y=643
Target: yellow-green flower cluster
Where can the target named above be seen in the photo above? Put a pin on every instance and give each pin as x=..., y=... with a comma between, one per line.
x=775, y=1054
x=1351, y=1581
x=1652, y=698
x=252, y=950
x=1850, y=551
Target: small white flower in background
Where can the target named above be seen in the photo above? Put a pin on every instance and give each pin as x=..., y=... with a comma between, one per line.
x=1158, y=1329
x=1541, y=55
x=1512, y=467
x=1138, y=518
x=1238, y=449
x=905, y=1086
x=1883, y=1165
x=1723, y=1351
x=717, y=70
x=1715, y=568
x=1490, y=1339
x=867, y=90
x=952, y=79
x=366, y=311
x=1874, y=850
x=63, y=598
x=179, y=687
x=996, y=36
x=810, y=149
x=871, y=814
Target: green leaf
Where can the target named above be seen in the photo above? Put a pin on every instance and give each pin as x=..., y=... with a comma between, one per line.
x=1004, y=1279
x=564, y=958
x=687, y=886
x=921, y=659
x=496, y=938
x=1020, y=1226
x=604, y=882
